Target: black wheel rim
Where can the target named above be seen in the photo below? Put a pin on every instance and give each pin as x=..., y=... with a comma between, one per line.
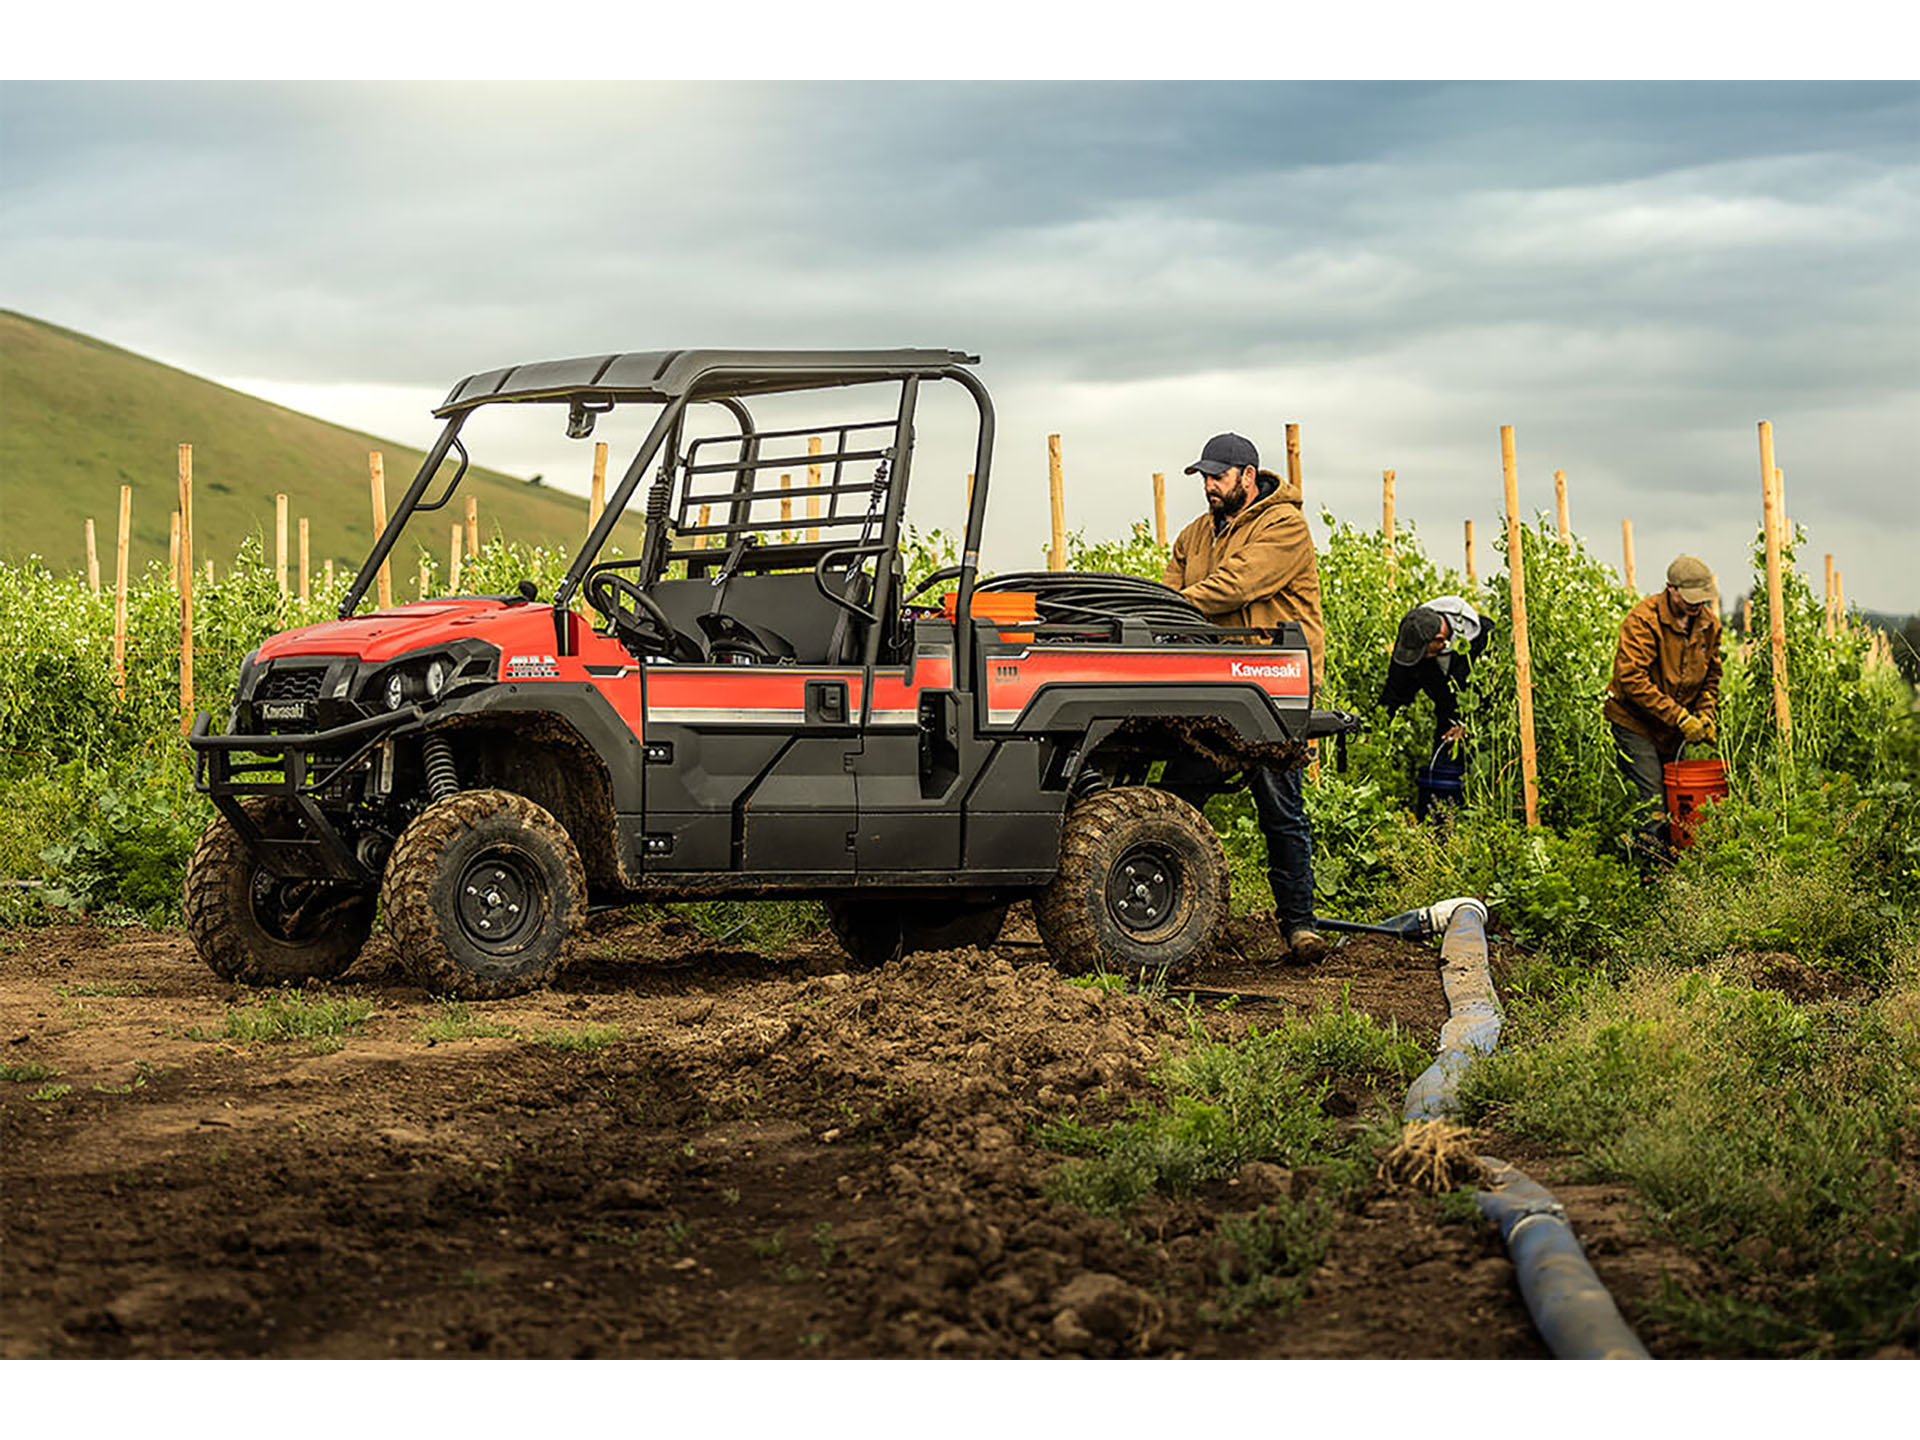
x=1143, y=888
x=500, y=899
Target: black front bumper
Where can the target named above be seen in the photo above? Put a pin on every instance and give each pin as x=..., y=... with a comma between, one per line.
x=228, y=768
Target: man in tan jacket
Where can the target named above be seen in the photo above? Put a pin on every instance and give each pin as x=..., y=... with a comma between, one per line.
x=1666, y=686
x=1249, y=562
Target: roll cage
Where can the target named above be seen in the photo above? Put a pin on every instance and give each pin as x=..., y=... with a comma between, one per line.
x=731, y=480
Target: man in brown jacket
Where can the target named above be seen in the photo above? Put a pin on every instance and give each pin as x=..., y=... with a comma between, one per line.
x=1666, y=686
x=1249, y=562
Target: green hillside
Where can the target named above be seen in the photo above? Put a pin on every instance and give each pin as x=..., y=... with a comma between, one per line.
x=80, y=418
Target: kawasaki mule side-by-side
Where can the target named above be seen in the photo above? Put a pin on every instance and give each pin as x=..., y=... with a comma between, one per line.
x=749, y=707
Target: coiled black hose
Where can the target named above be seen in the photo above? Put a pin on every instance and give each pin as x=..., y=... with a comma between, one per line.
x=1072, y=597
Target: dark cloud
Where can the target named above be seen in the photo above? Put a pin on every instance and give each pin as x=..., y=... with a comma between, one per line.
x=1635, y=273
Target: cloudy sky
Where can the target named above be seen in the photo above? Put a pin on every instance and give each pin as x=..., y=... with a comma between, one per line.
x=1631, y=274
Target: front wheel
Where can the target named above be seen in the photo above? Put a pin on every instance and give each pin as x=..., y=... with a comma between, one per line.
x=1143, y=883
x=253, y=927
x=482, y=892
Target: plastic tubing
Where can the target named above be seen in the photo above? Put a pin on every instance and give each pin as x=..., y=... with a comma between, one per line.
x=1571, y=1309
x=1473, y=1027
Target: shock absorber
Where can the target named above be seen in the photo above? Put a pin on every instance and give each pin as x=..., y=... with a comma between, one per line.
x=442, y=778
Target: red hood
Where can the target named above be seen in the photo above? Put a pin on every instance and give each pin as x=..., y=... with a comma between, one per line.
x=387, y=633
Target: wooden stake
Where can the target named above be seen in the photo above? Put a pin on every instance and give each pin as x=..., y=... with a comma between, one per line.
x=1839, y=601
x=786, y=504
x=1473, y=569
x=280, y=542
x=1294, y=480
x=1746, y=615
x=305, y=559
x=93, y=560
x=969, y=495
x=1776, y=621
x=186, y=588
x=1522, y=660
x=1386, y=527
x=1626, y=549
x=328, y=582
x=1780, y=505
x=473, y=525
x=377, y=484
x=209, y=572
x=173, y=550
x=597, y=497
x=1159, y=507
x=423, y=577
x=1827, y=594
x=120, y=592
x=706, y=519
x=1057, y=492
x=813, y=483
x=1560, y=506
x=455, y=532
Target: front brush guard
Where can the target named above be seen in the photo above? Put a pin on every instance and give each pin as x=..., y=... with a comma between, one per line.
x=299, y=778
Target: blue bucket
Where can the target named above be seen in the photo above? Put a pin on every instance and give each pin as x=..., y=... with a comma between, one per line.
x=1439, y=783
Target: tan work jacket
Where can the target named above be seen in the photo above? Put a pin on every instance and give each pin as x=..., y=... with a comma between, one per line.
x=1661, y=670
x=1259, y=571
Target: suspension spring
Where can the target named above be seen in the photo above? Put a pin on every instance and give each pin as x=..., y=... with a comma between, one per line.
x=442, y=779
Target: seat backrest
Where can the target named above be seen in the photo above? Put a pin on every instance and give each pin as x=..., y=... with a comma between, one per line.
x=790, y=605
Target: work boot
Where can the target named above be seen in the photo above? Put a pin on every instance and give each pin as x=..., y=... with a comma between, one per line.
x=1308, y=947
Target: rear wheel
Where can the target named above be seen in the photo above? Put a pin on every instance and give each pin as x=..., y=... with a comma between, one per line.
x=872, y=932
x=482, y=892
x=1143, y=883
x=257, y=928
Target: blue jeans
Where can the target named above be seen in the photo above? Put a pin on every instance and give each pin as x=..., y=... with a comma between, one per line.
x=1280, y=802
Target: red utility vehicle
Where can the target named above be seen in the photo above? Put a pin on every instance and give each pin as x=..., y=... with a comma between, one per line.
x=753, y=705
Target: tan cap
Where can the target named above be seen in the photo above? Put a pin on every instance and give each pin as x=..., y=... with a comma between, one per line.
x=1693, y=578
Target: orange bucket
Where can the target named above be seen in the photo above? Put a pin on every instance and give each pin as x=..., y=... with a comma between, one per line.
x=1689, y=784
x=1003, y=607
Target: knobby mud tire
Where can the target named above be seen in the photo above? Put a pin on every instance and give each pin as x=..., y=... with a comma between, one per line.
x=1082, y=916
x=872, y=932
x=223, y=919
x=434, y=915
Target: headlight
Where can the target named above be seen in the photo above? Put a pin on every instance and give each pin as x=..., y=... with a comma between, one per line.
x=437, y=672
x=396, y=690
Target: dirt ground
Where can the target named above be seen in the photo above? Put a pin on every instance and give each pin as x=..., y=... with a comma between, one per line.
x=772, y=1158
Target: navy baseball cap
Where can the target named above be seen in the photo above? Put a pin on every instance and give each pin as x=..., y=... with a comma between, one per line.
x=1223, y=453
x=1419, y=628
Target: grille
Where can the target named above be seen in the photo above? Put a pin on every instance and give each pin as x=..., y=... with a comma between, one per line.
x=292, y=684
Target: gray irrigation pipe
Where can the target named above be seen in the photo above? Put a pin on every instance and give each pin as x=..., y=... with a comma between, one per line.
x=1570, y=1307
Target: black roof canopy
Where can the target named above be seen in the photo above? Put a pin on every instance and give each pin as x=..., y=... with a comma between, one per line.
x=660, y=375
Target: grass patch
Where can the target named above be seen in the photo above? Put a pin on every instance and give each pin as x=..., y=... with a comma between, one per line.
x=455, y=1020
x=51, y=1092
x=1764, y=1135
x=108, y=990
x=1257, y=1098
x=322, y=1020
x=27, y=1070
x=1265, y=1257
x=587, y=1037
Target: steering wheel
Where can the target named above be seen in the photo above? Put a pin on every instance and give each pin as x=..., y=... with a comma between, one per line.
x=645, y=625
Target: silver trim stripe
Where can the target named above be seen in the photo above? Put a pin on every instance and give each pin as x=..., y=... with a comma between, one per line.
x=720, y=715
